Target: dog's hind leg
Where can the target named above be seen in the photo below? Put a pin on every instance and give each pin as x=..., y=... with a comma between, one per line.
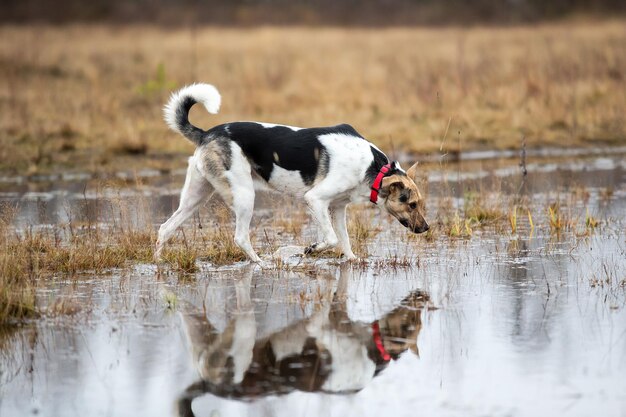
x=195, y=191
x=243, y=205
x=339, y=222
x=242, y=190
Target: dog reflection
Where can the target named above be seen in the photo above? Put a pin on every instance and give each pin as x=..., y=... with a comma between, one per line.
x=326, y=352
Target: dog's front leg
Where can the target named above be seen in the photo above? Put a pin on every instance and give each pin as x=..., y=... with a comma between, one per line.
x=319, y=211
x=339, y=221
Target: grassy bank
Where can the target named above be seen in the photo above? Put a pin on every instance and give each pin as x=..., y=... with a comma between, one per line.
x=90, y=98
x=31, y=257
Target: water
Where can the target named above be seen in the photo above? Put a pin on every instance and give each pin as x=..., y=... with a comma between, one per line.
x=492, y=325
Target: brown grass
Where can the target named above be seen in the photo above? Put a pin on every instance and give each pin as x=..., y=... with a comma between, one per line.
x=30, y=256
x=361, y=229
x=17, y=295
x=480, y=211
x=90, y=98
x=220, y=248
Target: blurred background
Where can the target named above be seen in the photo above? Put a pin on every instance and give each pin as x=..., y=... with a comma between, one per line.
x=376, y=13
x=82, y=84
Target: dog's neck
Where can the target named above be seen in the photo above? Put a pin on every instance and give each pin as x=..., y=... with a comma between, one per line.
x=378, y=182
x=380, y=160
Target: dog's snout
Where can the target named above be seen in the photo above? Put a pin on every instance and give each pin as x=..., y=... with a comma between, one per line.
x=404, y=223
x=421, y=229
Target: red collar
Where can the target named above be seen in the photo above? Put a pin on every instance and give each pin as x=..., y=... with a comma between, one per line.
x=378, y=341
x=378, y=182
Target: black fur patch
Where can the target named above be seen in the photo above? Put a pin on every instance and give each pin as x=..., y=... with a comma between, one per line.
x=380, y=159
x=194, y=134
x=298, y=150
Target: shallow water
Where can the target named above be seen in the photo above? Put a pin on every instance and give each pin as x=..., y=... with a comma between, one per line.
x=63, y=198
x=493, y=325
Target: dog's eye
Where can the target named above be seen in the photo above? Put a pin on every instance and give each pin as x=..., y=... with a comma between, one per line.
x=413, y=205
x=403, y=198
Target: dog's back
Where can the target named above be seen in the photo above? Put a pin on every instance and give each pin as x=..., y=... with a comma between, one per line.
x=271, y=148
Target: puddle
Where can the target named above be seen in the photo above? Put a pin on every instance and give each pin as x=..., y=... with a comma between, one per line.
x=492, y=325
x=66, y=198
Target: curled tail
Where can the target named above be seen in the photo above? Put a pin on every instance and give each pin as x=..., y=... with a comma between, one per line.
x=176, y=111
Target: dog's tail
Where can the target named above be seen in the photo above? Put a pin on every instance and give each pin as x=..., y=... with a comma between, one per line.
x=176, y=111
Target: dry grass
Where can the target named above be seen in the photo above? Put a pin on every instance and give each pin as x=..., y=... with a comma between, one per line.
x=480, y=211
x=362, y=229
x=182, y=259
x=91, y=97
x=289, y=218
x=28, y=257
x=47, y=252
x=220, y=247
x=454, y=226
x=509, y=214
x=17, y=295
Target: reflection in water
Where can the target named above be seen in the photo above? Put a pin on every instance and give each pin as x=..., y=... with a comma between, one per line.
x=326, y=352
x=500, y=338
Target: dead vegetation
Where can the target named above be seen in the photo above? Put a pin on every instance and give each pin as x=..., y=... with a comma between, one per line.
x=17, y=297
x=30, y=256
x=90, y=98
x=362, y=229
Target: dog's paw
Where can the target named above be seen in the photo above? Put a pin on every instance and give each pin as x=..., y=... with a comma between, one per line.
x=314, y=248
x=157, y=258
x=264, y=265
x=350, y=256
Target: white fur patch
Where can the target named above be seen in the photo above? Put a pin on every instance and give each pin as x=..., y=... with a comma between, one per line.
x=270, y=125
x=352, y=369
x=201, y=93
x=243, y=345
x=396, y=166
x=350, y=156
x=286, y=181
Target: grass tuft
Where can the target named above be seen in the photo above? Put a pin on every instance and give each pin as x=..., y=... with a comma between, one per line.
x=513, y=220
x=479, y=212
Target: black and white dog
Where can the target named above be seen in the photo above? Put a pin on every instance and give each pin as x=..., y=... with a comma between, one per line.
x=329, y=167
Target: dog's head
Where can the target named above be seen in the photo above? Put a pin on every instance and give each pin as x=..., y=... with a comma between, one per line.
x=403, y=200
x=401, y=327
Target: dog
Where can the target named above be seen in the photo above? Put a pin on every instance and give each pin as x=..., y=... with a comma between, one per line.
x=328, y=167
x=325, y=352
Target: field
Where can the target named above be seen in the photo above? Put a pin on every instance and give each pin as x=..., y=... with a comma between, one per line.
x=85, y=98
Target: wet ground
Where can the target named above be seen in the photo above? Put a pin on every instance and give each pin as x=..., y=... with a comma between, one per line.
x=496, y=324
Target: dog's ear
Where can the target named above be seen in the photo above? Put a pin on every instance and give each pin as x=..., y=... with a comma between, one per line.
x=389, y=185
x=412, y=172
